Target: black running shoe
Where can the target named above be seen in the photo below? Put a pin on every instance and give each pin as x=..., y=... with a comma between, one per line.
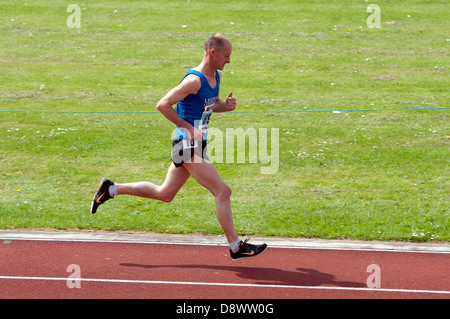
x=102, y=194
x=247, y=250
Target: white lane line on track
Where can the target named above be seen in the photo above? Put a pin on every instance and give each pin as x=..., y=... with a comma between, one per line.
x=222, y=284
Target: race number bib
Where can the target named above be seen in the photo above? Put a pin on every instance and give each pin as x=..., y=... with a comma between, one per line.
x=206, y=116
x=190, y=144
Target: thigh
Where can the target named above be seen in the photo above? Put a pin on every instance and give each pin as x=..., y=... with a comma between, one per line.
x=175, y=179
x=204, y=172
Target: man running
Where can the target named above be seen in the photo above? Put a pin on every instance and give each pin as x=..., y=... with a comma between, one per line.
x=196, y=97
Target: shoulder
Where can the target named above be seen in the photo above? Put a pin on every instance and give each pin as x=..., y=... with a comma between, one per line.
x=191, y=83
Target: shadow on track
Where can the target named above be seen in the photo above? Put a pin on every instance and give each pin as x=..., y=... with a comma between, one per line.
x=268, y=276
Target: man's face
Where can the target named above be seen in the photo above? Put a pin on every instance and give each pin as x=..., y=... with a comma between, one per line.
x=222, y=56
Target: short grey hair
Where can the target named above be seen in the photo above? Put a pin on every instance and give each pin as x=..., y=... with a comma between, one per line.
x=215, y=41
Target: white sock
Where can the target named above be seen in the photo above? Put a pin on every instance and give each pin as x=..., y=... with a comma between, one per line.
x=113, y=190
x=234, y=246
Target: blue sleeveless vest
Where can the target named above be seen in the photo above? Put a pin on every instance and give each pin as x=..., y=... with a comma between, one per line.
x=196, y=108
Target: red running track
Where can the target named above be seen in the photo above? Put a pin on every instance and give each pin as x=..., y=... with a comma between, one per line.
x=39, y=269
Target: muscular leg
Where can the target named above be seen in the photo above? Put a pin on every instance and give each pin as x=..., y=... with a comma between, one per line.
x=204, y=172
x=175, y=179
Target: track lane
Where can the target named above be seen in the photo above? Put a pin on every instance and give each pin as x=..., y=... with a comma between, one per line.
x=169, y=271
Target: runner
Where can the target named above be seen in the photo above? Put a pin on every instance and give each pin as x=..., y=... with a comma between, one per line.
x=196, y=97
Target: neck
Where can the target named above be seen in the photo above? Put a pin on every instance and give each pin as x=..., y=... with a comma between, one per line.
x=206, y=69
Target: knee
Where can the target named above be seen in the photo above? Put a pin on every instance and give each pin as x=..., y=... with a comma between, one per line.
x=224, y=193
x=166, y=197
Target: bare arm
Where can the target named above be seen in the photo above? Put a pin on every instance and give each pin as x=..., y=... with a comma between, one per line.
x=190, y=85
x=225, y=106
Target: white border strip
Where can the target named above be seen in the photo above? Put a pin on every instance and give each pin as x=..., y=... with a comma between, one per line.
x=210, y=240
x=270, y=245
x=222, y=284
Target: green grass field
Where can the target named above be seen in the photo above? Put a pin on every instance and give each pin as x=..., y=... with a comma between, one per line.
x=370, y=175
